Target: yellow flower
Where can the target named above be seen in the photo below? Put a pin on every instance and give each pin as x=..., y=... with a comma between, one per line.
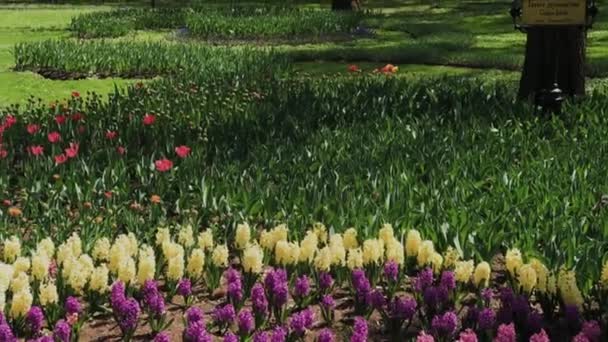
x=46, y=246
x=6, y=275
x=22, y=264
x=464, y=271
x=323, y=259
x=287, y=253
x=99, y=279
x=279, y=233
x=126, y=270
x=40, y=266
x=320, y=231
x=86, y=264
x=101, y=251
x=146, y=266
x=604, y=276
x=526, y=276
x=20, y=282
x=436, y=262
x=132, y=244
x=542, y=274
x=172, y=249
x=2, y=301
x=48, y=294
x=196, y=262
x=552, y=285
x=175, y=268
x=308, y=247
x=219, y=257
x=21, y=304
x=242, y=236
x=513, y=260
x=186, y=236
x=425, y=252
x=77, y=279
x=373, y=251
x=395, y=251
x=162, y=235
x=386, y=233
x=205, y=240
x=481, y=276
x=354, y=259
x=412, y=243
x=570, y=293
x=350, y=238
x=118, y=255
x=75, y=244
x=64, y=252
x=338, y=252
x=12, y=249
x=253, y=259
x=267, y=240
x=450, y=257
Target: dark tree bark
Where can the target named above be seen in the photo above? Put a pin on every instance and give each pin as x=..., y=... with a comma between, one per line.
x=554, y=55
x=341, y=5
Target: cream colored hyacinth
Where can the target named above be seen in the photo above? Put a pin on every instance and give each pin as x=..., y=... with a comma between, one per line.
x=395, y=251
x=40, y=266
x=21, y=303
x=162, y=235
x=464, y=271
x=436, y=262
x=321, y=231
x=308, y=247
x=12, y=249
x=513, y=261
x=186, y=236
x=338, y=252
x=386, y=233
x=101, y=250
x=350, y=238
x=46, y=246
x=21, y=264
x=196, y=263
x=450, y=257
x=323, y=259
x=242, y=236
x=253, y=259
x=412, y=243
x=146, y=265
x=542, y=275
x=47, y=293
x=99, y=279
x=425, y=252
x=219, y=256
x=527, y=278
x=354, y=258
x=286, y=253
x=373, y=251
x=568, y=288
x=20, y=282
x=481, y=275
x=205, y=240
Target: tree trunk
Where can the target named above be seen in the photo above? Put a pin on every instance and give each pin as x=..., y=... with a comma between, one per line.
x=554, y=55
x=341, y=5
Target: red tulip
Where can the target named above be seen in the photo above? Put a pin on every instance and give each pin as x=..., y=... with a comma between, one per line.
x=60, y=119
x=108, y=194
x=3, y=153
x=121, y=150
x=111, y=135
x=353, y=68
x=9, y=121
x=77, y=117
x=75, y=94
x=72, y=151
x=163, y=165
x=36, y=150
x=54, y=137
x=182, y=151
x=33, y=128
x=60, y=159
x=149, y=119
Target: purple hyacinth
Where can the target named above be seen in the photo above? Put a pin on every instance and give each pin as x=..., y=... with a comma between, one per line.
x=391, y=270
x=184, y=287
x=128, y=315
x=224, y=314
x=196, y=332
x=194, y=314
x=230, y=337
x=279, y=334
x=360, y=330
x=235, y=284
x=534, y=322
x=424, y=337
x=280, y=294
x=35, y=319
x=41, y=339
x=325, y=281
x=162, y=337
x=302, y=287
x=361, y=285
x=573, y=317
x=592, y=330
x=277, y=287
x=487, y=294
x=445, y=325
x=155, y=304
x=62, y=331
x=246, y=322
x=6, y=333
x=423, y=280
x=540, y=337
x=117, y=297
x=377, y=299
x=328, y=302
x=520, y=306
x=448, y=280
x=275, y=276
x=261, y=336
x=300, y=321
x=506, y=333
x=326, y=335
x=403, y=308
x=471, y=317
x=506, y=296
x=435, y=295
x=72, y=306
x=486, y=319
x=259, y=302
x=467, y=336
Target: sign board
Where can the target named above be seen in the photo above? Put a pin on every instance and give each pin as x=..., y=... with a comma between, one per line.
x=554, y=12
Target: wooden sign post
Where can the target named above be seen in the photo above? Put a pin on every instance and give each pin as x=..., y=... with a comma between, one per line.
x=554, y=65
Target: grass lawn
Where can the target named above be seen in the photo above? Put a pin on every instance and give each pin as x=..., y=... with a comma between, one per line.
x=30, y=23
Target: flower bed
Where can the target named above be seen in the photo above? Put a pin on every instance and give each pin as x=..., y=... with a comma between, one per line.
x=267, y=287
